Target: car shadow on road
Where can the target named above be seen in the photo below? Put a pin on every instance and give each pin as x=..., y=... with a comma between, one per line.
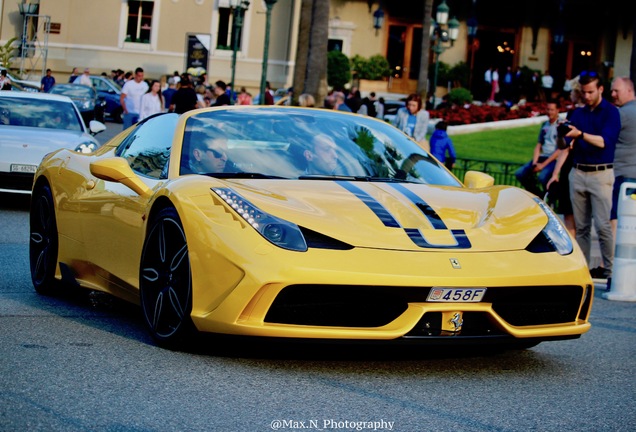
x=15, y=201
x=109, y=313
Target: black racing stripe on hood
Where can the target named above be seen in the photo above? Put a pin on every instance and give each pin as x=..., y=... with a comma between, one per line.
x=416, y=236
x=424, y=207
x=383, y=214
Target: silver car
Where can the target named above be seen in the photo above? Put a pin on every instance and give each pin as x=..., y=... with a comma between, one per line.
x=33, y=125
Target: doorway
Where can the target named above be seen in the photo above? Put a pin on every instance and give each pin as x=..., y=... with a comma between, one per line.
x=403, y=53
x=492, y=48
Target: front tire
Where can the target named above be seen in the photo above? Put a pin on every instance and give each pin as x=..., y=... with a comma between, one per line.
x=165, y=282
x=43, y=241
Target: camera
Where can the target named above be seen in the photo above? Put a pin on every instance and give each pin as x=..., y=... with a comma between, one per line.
x=563, y=129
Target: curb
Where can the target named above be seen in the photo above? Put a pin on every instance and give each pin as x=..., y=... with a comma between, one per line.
x=496, y=125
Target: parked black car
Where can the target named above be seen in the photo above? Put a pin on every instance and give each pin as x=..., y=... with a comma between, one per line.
x=85, y=98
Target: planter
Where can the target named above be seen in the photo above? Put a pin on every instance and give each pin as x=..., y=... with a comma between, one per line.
x=378, y=86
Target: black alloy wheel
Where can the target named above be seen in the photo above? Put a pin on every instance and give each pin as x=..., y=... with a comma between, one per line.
x=165, y=283
x=43, y=241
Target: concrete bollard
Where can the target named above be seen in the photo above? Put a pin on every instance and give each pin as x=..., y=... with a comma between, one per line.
x=623, y=286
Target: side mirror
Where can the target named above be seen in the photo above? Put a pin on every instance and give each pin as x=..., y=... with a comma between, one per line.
x=478, y=180
x=96, y=127
x=116, y=169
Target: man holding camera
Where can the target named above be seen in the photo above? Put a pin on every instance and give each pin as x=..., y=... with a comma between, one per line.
x=544, y=157
x=593, y=132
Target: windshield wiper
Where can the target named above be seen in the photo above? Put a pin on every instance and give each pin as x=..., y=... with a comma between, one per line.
x=246, y=175
x=352, y=178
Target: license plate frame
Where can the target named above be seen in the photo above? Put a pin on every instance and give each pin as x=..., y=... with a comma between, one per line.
x=23, y=168
x=456, y=295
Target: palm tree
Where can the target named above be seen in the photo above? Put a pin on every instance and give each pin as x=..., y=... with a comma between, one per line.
x=310, y=74
x=422, y=79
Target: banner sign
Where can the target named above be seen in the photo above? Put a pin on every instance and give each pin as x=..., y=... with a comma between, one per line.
x=197, y=53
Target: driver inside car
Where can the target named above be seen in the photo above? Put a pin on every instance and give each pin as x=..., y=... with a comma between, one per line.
x=323, y=156
x=209, y=156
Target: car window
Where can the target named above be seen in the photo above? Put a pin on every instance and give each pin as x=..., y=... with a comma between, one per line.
x=293, y=143
x=102, y=85
x=147, y=148
x=39, y=113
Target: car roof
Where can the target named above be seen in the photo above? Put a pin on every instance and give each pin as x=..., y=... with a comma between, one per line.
x=29, y=95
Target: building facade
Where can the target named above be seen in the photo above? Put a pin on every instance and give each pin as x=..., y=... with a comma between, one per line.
x=562, y=36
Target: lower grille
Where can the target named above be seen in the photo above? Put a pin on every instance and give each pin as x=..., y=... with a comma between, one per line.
x=375, y=306
x=536, y=305
x=16, y=181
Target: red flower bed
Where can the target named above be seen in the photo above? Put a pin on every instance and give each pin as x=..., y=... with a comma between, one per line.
x=487, y=113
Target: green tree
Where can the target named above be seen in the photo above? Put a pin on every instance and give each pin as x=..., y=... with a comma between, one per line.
x=338, y=69
x=422, y=79
x=6, y=52
x=310, y=74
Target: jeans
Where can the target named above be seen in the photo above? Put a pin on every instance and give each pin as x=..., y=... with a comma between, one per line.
x=591, y=194
x=130, y=119
x=526, y=176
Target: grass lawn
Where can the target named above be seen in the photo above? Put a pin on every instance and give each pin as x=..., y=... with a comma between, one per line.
x=505, y=145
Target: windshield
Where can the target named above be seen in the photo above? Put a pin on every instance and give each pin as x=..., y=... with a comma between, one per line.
x=304, y=143
x=41, y=113
x=74, y=91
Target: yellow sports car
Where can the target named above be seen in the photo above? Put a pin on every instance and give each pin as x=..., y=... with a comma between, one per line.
x=303, y=223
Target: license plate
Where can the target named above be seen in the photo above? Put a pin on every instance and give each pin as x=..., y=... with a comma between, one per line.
x=23, y=168
x=456, y=295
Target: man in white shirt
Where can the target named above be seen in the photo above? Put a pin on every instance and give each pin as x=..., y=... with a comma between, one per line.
x=84, y=79
x=130, y=97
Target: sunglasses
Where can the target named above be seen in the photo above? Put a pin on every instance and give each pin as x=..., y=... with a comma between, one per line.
x=591, y=74
x=217, y=154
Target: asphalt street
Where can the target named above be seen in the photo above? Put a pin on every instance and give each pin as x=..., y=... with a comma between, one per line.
x=84, y=362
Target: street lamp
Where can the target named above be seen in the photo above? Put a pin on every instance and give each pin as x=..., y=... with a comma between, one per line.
x=238, y=10
x=378, y=19
x=442, y=30
x=269, y=4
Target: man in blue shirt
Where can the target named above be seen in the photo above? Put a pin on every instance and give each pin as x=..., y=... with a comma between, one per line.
x=594, y=133
x=47, y=82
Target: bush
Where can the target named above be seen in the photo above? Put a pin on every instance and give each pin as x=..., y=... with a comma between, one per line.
x=375, y=67
x=443, y=74
x=459, y=74
x=460, y=96
x=338, y=69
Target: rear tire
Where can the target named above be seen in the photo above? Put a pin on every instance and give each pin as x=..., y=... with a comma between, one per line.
x=165, y=282
x=117, y=115
x=43, y=241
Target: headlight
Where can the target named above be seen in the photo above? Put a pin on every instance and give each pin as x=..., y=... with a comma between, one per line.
x=87, y=104
x=278, y=231
x=554, y=237
x=87, y=147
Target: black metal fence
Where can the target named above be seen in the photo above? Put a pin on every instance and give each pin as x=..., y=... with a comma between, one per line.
x=503, y=172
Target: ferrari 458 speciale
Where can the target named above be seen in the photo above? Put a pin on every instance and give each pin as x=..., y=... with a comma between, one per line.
x=303, y=223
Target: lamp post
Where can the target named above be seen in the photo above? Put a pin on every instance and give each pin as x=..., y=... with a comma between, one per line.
x=269, y=4
x=472, y=33
x=442, y=31
x=27, y=10
x=238, y=10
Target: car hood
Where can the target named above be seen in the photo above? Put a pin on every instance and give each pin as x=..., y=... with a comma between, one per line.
x=402, y=216
x=28, y=145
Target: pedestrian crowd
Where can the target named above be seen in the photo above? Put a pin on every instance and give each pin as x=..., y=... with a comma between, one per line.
x=510, y=87
x=579, y=163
